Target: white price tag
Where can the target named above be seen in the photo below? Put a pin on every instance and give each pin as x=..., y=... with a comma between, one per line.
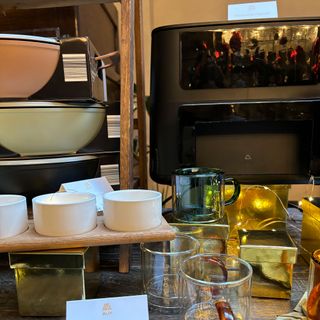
x=120, y=308
x=253, y=10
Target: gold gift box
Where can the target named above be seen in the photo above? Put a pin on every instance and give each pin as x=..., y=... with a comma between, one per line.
x=212, y=237
x=45, y=280
x=310, y=236
x=258, y=208
x=272, y=255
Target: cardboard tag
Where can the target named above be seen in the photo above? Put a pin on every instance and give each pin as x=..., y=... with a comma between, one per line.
x=253, y=10
x=97, y=186
x=119, y=308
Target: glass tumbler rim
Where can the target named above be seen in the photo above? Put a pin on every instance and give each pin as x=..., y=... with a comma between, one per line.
x=233, y=283
x=197, y=171
x=196, y=247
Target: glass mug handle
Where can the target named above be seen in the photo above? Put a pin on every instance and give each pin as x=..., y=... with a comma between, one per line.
x=223, y=307
x=224, y=310
x=236, y=192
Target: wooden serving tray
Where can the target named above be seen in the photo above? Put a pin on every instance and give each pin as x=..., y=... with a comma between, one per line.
x=30, y=240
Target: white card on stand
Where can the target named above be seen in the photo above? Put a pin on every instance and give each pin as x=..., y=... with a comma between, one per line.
x=97, y=186
x=119, y=308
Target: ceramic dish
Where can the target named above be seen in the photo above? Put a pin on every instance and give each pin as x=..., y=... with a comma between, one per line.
x=53, y=128
x=132, y=210
x=33, y=177
x=27, y=64
x=64, y=213
x=13, y=215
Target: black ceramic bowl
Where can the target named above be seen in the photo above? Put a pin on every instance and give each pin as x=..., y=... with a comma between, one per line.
x=33, y=177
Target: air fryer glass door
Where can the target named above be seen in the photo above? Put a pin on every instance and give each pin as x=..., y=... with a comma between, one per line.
x=250, y=56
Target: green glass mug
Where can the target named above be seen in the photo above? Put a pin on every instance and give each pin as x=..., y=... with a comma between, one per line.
x=198, y=194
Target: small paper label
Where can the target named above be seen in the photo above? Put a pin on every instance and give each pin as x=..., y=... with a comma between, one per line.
x=120, y=308
x=75, y=67
x=113, y=124
x=97, y=186
x=111, y=172
x=253, y=10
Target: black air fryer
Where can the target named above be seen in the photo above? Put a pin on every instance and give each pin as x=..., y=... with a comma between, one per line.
x=240, y=96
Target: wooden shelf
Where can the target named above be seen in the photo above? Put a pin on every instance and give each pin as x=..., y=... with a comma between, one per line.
x=30, y=240
x=131, y=32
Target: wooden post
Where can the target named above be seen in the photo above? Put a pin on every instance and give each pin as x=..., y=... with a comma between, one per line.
x=126, y=110
x=126, y=91
x=139, y=58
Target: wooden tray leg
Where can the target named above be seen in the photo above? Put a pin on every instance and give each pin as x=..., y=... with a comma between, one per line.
x=124, y=258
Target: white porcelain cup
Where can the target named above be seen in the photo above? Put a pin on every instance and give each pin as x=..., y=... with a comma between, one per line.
x=13, y=215
x=132, y=209
x=64, y=213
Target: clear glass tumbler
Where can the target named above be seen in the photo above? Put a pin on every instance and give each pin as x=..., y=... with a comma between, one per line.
x=215, y=286
x=313, y=302
x=160, y=267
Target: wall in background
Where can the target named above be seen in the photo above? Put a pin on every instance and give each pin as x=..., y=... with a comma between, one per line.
x=163, y=12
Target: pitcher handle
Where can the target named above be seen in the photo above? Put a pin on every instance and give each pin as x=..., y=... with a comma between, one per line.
x=236, y=192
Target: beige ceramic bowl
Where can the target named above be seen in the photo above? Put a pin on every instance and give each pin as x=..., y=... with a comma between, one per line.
x=132, y=210
x=13, y=215
x=48, y=128
x=64, y=213
x=27, y=64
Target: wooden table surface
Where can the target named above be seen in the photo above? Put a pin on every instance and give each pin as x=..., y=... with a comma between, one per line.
x=114, y=284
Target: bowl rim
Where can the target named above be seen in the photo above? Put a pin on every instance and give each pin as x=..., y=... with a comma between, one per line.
x=48, y=104
x=30, y=111
x=38, y=199
x=195, y=246
x=19, y=199
x=25, y=37
x=109, y=195
x=45, y=161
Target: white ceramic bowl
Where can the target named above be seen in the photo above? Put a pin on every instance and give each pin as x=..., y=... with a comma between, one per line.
x=132, y=210
x=64, y=213
x=13, y=215
x=27, y=63
x=54, y=128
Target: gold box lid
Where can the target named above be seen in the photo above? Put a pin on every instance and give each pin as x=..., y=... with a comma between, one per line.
x=267, y=246
x=203, y=231
x=49, y=259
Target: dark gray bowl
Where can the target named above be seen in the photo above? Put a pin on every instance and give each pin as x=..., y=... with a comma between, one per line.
x=33, y=177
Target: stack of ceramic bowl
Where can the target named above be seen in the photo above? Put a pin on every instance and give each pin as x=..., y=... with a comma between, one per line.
x=41, y=137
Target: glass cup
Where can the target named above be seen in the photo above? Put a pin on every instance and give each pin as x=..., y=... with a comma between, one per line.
x=215, y=286
x=160, y=266
x=198, y=194
x=313, y=301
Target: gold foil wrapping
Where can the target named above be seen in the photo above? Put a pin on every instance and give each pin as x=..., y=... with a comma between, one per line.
x=272, y=255
x=212, y=237
x=45, y=280
x=310, y=236
x=258, y=208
